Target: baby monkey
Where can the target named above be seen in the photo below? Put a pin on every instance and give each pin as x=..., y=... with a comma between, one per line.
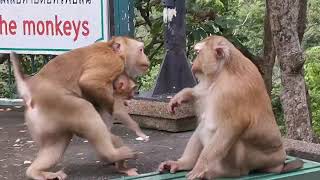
x=124, y=88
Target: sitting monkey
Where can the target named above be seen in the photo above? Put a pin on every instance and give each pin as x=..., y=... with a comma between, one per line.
x=237, y=132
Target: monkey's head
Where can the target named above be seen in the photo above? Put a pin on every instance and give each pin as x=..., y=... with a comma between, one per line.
x=136, y=62
x=213, y=54
x=124, y=86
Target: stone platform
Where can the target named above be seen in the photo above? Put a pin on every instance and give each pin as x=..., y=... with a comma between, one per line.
x=155, y=115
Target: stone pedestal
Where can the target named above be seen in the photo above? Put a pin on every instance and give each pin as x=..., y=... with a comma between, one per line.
x=154, y=115
x=305, y=150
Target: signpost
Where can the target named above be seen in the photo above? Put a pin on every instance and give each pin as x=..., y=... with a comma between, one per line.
x=52, y=26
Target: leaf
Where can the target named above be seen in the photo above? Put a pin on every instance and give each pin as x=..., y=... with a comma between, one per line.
x=196, y=35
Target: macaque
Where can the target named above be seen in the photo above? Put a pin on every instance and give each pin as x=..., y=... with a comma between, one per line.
x=124, y=89
x=237, y=132
x=67, y=96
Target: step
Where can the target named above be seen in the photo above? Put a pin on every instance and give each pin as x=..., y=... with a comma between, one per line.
x=310, y=171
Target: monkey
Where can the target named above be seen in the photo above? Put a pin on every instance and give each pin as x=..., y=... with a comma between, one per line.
x=124, y=89
x=67, y=96
x=237, y=132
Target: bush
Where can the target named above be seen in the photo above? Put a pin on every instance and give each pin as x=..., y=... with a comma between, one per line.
x=147, y=82
x=275, y=98
x=312, y=76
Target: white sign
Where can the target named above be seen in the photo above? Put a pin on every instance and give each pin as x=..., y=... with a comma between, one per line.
x=51, y=26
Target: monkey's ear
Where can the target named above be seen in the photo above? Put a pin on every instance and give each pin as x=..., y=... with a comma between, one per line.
x=116, y=46
x=199, y=46
x=222, y=52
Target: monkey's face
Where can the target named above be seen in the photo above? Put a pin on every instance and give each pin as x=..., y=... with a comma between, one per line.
x=210, y=58
x=136, y=62
x=125, y=86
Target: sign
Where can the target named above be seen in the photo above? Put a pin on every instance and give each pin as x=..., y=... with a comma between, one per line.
x=51, y=26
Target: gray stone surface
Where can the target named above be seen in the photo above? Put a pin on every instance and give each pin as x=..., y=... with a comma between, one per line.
x=302, y=149
x=80, y=161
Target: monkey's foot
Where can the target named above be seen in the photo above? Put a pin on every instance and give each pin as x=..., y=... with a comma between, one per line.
x=129, y=171
x=60, y=175
x=122, y=167
x=200, y=171
x=195, y=175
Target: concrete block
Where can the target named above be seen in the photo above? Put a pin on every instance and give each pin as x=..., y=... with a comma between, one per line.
x=305, y=150
x=154, y=115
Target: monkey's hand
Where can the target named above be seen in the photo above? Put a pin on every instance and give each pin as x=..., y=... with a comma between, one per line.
x=126, y=102
x=175, y=102
x=124, y=153
x=172, y=166
x=183, y=96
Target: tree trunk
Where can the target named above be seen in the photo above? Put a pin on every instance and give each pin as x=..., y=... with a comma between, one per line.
x=269, y=53
x=302, y=19
x=301, y=27
x=284, y=20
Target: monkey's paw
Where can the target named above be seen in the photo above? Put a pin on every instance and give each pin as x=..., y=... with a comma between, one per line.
x=171, y=166
x=200, y=171
x=129, y=171
x=60, y=175
x=174, y=102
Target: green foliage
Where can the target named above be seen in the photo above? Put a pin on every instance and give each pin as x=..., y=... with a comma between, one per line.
x=229, y=18
x=312, y=34
x=30, y=63
x=275, y=99
x=249, y=29
x=147, y=82
x=312, y=76
x=4, y=87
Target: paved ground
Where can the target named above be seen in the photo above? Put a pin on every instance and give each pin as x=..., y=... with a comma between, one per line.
x=17, y=150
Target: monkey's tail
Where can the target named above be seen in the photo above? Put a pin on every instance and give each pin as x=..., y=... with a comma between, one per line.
x=292, y=165
x=20, y=78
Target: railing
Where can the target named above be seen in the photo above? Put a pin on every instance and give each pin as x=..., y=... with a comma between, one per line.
x=31, y=65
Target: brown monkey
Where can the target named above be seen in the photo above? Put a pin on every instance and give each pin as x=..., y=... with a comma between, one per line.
x=237, y=131
x=61, y=100
x=124, y=89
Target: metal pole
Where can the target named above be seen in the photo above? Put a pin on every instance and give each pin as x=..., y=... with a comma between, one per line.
x=175, y=73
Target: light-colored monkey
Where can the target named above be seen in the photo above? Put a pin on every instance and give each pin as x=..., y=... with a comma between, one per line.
x=124, y=89
x=63, y=98
x=237, y=132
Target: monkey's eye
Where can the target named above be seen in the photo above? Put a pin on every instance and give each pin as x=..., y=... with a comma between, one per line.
x=141, y=50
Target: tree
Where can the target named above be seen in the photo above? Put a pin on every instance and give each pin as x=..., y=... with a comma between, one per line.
x=287, y=20
x=229, y=18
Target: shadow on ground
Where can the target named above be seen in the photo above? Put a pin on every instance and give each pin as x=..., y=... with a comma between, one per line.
x=80, y=161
